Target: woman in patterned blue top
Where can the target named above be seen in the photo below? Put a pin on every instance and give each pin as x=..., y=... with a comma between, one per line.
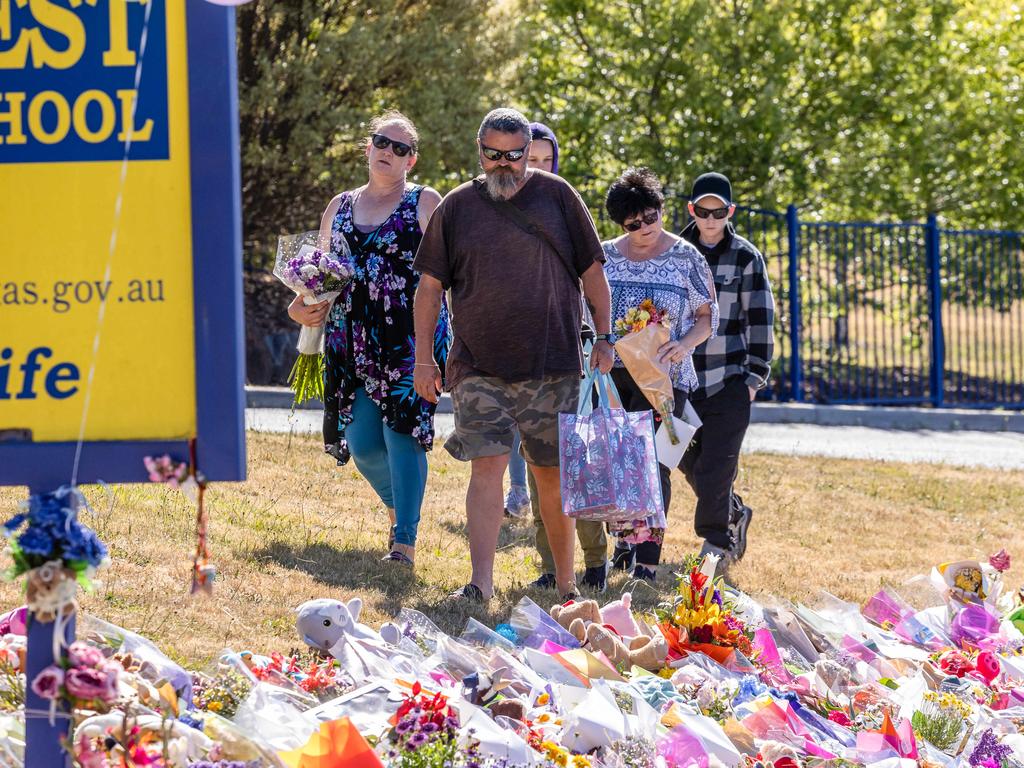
x=371, y=411
x=647, y=262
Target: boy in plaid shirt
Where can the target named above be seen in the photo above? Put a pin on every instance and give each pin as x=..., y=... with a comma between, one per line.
x=731, y=367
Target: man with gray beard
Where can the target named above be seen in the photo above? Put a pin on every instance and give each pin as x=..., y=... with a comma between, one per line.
x=514, y=248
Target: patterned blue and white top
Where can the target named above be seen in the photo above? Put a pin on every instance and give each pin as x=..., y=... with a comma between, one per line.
x=678, y=281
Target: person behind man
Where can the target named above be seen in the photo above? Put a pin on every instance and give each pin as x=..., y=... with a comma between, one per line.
x=512, y=247
x=543, y=155
x=730, y=367
x=646, y=262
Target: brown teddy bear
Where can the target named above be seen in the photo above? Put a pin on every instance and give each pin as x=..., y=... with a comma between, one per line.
x=585, y=610
x=645, y=652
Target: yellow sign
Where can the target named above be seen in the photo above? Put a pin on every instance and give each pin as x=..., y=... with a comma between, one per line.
x=76, y=91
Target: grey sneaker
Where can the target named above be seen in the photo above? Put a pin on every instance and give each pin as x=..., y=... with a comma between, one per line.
x=741, y=516
x=517, y=501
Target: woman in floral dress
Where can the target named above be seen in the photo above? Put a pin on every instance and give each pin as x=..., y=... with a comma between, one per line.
x=648, y=262
x=372, y=413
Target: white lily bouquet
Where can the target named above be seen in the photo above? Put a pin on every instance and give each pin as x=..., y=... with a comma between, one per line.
x=306, y=264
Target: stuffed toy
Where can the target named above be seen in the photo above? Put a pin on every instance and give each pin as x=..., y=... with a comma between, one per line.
x=14, y=622
x=618, y=615
x=585, y=610
x=514, y=709
x=645, y=652
x=323, y=623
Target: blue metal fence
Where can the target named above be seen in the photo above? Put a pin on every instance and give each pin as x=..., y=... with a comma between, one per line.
x=895, y=314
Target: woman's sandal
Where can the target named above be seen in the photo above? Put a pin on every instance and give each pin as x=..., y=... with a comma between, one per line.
x=394, y=556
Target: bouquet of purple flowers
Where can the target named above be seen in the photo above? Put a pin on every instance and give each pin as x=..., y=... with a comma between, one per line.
x=307, y=265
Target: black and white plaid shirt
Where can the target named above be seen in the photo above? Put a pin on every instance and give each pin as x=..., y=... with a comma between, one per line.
x=744, y=344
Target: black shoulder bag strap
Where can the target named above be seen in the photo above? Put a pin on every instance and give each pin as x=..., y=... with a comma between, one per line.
x=524, y=222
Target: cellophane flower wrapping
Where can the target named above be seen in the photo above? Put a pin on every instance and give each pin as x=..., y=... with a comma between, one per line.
x=638, y=351
x=317, y=270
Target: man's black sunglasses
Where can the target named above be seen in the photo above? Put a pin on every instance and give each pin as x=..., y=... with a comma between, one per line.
x=512, y=155
x=401, y=149
x=634, y=225
x=715, y=213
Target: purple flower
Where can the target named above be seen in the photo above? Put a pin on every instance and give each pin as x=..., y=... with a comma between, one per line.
x=429, y=727
x=989, y=749
x=92, y=683
x=48, y=682
x=405, y=725
x=84, y=655
x=416, y=741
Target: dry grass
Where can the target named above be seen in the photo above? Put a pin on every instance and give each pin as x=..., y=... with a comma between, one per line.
x=300, y=528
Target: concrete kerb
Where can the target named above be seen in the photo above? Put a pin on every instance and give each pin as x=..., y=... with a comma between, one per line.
x=875, y=417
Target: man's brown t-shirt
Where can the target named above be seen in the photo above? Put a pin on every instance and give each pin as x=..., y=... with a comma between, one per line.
x=515, y=303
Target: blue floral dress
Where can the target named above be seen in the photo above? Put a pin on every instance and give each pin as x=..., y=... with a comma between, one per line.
x=369, y=336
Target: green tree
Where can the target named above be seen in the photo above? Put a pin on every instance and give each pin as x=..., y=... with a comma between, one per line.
x=311, y=75
x=847, y=108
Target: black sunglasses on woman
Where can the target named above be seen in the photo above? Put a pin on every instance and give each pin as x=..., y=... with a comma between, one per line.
x=400, y=148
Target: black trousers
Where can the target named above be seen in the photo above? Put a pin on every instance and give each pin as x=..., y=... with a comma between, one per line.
x=649, y=552
x=711, y=462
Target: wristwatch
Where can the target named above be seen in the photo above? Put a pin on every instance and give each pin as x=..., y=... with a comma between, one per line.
x=609, y=337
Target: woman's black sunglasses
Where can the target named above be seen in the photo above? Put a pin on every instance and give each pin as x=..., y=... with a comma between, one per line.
x=634, y=225
x=715, y=213
x=512, y=155
x=380, y=141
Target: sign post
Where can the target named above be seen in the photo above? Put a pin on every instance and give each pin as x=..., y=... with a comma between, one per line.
x=120, y=260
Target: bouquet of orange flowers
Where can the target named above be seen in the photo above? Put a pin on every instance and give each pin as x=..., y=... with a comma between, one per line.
x=700, y=617
x=642, y=331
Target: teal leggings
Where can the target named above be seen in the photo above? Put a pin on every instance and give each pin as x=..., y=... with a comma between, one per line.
x=394, y=464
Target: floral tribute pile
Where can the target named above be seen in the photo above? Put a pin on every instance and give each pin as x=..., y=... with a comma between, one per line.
x=711, y=678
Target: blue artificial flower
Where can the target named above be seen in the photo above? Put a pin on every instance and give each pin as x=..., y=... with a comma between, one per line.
x=36, y=541
x=14, y=523
x=50, y=513
x=82, y=543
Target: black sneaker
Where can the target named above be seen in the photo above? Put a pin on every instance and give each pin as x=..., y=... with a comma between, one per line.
x=595, y=578
x=470, y=593
x=644, y=574
x=546, y=581
x=741, y=516
x=622, y=557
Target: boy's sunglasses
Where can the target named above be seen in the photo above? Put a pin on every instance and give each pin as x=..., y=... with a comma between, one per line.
x=380, y=141
x=512, y=155
x=715, y=213
x=634, y=225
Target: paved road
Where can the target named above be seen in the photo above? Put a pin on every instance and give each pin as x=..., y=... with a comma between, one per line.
x=963, y=448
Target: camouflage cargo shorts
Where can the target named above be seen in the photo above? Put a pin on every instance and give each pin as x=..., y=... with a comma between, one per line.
x=488, y=410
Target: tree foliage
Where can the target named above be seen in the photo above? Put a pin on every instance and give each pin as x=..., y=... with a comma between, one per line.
x=313, y=72
x=849, y=108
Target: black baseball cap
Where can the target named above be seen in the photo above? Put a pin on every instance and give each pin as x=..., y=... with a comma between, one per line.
x=711, y=184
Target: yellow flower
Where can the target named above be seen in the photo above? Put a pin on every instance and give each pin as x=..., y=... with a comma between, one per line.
x=543, y=699
x=580, y=761
x=215, y=706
